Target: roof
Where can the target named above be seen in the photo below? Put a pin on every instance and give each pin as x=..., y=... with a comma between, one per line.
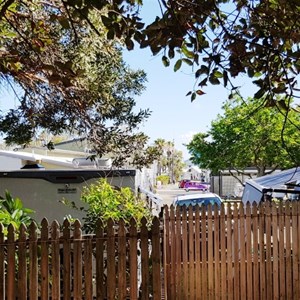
x=278, y=180
x=195, y=195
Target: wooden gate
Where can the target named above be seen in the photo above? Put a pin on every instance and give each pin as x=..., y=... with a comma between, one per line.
x=236, y=252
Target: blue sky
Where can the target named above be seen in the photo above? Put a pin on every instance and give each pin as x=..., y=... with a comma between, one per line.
x=173, y=117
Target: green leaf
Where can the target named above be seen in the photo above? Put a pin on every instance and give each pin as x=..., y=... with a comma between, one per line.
x=177, y=65
x=203, y=70
x=213, y=80
x=259, y=94
x=225, y=78
x=165, y=61
x=193, y=97
x=187, y=61
x=187, y=53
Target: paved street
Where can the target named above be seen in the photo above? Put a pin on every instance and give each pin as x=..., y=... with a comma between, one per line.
x=168, y=192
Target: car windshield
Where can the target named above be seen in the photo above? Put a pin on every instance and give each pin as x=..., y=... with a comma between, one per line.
x=203, y=201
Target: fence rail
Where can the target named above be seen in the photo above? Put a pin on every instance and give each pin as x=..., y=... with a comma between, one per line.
x=238, y=252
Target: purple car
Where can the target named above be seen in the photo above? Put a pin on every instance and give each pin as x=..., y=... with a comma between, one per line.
x=196, y=186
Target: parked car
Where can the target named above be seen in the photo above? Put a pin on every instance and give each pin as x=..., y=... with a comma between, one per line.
x=196, y=186
x=197, y=199
x=182, y=183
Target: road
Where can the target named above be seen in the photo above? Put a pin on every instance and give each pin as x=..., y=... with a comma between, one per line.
x=168, y=192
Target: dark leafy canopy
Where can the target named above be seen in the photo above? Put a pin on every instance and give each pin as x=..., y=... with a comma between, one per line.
x=248, y=135
x=71, y=77
x=220, y=38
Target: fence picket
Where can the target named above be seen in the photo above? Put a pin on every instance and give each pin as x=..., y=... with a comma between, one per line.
x=100, y=293
x=247, y=286
x=191, y=253
x=224, y=233
x=282, y=290
x=210, y=245
x=172, y=266
x=216, y=252
x=275, y=267
x=295, y=251
x=179, y=269
x=88, y=268
x=33, y=262
x=288, y=252
x=121, y=260
x=133, y=262
x=156, y=259
x=2, y=260
x=77, y=236
x=11, y=263
x=66, y=259
x=236, y=253
x=167, y=255
x=198, y=273
x=55, y=260
x=22, y=268
x=144, y=260
x=45, y=260
x=184, y=249
x=242, y=248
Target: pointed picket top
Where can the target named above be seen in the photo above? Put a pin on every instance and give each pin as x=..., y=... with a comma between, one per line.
x=132, y=222
x=1, y=230
x=11, y=232
x=155, y=224
x=45, y=223
x=22, y=232
x=121, y=229
x=66, y=224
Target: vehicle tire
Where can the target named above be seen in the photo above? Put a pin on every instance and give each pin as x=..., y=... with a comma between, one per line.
x=187, y=190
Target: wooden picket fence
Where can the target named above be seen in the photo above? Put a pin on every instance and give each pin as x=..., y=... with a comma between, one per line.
x=241, y=252
x=238, y=252
x=53, y=262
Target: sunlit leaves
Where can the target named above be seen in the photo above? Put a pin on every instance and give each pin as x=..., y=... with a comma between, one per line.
x=249, y=134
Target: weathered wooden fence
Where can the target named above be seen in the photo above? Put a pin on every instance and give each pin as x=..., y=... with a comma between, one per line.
x=118, y=262
x=241, y=252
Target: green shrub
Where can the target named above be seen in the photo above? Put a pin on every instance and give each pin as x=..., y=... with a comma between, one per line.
x=164, y=179
x=105, y=201
x=13, y=212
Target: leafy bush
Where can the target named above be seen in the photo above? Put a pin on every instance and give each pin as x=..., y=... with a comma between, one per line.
x=164, y=179
x=105, y=201
x=13, y=212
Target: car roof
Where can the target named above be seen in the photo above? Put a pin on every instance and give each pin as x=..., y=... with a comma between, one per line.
x=196, y=196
